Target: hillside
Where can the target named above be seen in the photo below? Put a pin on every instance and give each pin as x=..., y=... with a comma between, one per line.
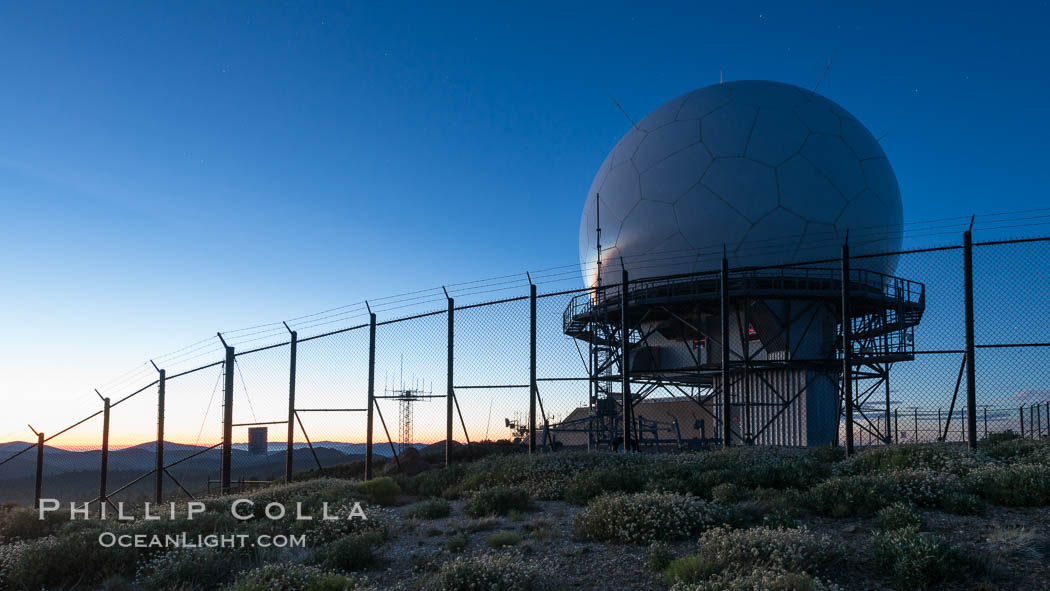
x=905, y=517
x=74, y=475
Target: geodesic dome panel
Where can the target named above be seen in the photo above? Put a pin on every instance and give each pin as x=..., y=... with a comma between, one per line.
x=775, y=173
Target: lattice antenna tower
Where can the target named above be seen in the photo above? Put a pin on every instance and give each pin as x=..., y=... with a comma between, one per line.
x=405, y=397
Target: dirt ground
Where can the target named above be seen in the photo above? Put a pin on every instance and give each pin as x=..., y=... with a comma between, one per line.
x=1014, y=543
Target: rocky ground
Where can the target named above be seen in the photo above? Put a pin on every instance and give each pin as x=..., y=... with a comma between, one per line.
x=1015, y=542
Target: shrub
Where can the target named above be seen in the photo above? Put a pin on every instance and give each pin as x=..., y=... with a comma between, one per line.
x=898, y=516
x=924, y=487
x=828, y=454
x=116, y=583
x=503, y=571
x=918, y=560
x=689, y=569
x=197, y=568
x=59, y=561
x=546, y=476
x=1018, y=485
x=310, y=493
x=704, y=483
x=458, y=543
x=646, y=517
x=727, y=492
x=18, y=523
x=935, y=456
x=780, y=518
x=845, y=496
x=540, y=528
x=771, y=467
x=291, y=577
x=744, y=514
x=586, y=485
x=350, y=553
x=431, y=509
x=764, y=579
x=788, y=499
x=483, y=524
x=498, y=500
x=433, y=483
x=961, y=503
x=382, y=490
x=658, y=556
x=791, y=550
x=503, y=538
x=864, y=494
x=323, y=531
x=424, y=563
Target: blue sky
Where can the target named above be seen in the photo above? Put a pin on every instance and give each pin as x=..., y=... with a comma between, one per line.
x=169, y=171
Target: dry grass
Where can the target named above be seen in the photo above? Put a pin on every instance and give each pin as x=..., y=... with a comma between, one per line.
x=1019, y=542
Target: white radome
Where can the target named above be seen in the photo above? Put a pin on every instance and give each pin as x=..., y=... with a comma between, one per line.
x=774, y=172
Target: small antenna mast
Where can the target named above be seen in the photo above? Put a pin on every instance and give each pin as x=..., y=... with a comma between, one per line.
x=821, y=79
x=598, y=225
x=620, y=107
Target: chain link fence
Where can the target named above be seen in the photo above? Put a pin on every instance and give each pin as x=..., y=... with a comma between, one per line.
x=534, y=367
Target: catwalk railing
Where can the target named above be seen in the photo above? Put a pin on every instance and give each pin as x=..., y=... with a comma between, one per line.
x=507, y=369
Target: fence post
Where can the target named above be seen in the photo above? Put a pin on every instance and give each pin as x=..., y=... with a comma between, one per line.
x=625, y=362
x=39, y=468
x=104, y=468
x=986, y=422
x=369, y=425
x=887, y=436
x=1020, y=410
x=449, y=393
x=158, y=492
x=915, y=429
x=727, y=434
x=971, y=375
x=896, y=427
x=289, y=454
x=227, y=423
x=532, y=367
x=847, y=350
